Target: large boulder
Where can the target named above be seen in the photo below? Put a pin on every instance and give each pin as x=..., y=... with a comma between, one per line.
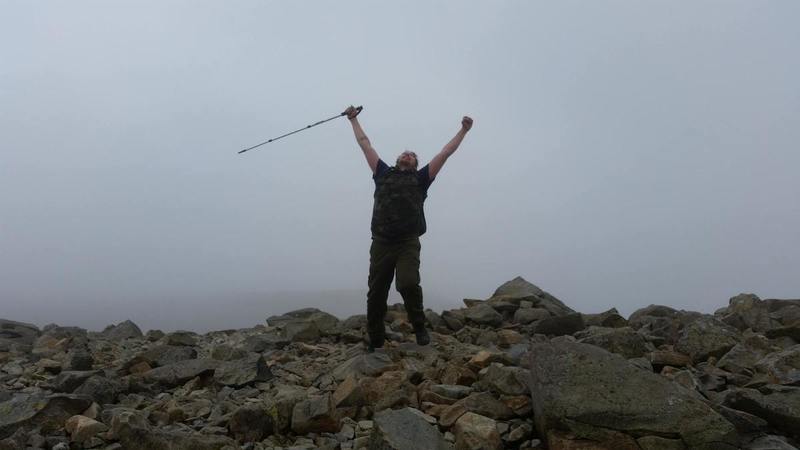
x=623, y=341
x=243, y=372
x=781, y=367
x=173, y=375
x=17, y=334
x=405, y=429
x=707, y=337
x=483, y=314
x=518, y=290
x=560, y=325
x=121, y=331
x=779, y=406
x=597, y=395
x=45, y=412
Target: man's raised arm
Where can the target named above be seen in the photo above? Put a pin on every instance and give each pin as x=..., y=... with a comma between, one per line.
x=438, y=161
x=361, y=138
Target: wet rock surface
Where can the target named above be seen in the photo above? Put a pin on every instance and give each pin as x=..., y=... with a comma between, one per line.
x=518, y=370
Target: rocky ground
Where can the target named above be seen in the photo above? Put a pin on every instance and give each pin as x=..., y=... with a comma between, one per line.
x=520, y=370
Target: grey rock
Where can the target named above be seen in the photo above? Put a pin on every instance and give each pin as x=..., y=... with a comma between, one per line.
x=780, y=407
x=121, y=331
x=78, y=359
x=781, y=367
x=301, y=331
x=707, y=337
x=250, y=423
x=243, y=372
x=623, y=341
x=262, y=342
x=404, y=429
x=176, y=374
x=68, y=381
x=44, y=412
x=504, y=380
x=560, y=325
x=163, y=355
x=101, y=390
x=518, y=290
x=18, y=332
x=483, y=314
x=453, y=391
x=609, y=319
x=527, y=315
x=281, y=405
x=476, y=432
x=769, y=442
x=315, y=415
x=181, y=338
x=370, y=364
x=590, y=391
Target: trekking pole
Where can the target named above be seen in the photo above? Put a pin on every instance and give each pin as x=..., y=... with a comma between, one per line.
x=358, y=110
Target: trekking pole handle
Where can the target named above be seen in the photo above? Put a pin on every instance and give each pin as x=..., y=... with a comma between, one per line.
x=358, y=111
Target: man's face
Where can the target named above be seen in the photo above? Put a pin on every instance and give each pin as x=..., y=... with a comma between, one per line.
x=407, y=160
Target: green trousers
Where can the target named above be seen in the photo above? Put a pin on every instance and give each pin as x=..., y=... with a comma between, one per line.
x=385, y=259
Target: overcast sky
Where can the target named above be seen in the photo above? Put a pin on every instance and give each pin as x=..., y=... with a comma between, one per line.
x=624, y=153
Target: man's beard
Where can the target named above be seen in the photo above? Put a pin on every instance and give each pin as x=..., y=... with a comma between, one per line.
x=402, y=165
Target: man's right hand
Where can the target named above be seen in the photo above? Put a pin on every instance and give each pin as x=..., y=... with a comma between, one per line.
x=352, y=112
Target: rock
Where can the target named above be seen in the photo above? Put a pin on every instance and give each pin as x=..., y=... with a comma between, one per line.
x=390, y=390
x=250, y=423
x=607, y=319
x=181, y=338
x=163, y=355
x=122, y=331
x=661, y=358
x=508, y=338
x=504, y=380
x=623, y=341
x=176, y=374
x=370, y=364
x=282, y=405
x=68, y=381
x=482, y=403
x=225, y=352
x=781, y=367
x=780, y=407
x=262, y=342
x=82, y=428
x=769, y=442
x=17, y=335
x=404, y=429
x=483, y=314
x=560, y=325
x=348, y=393
x=45, y=412
x=591, y=392
x=659, y=443
x=78, y=359
x=476, y=432
x=518, y=290
x=453, y=391
x=243, y=372
x=707, y=337
x=315, y=415
x=100, y=389
x=454, y=319
x=528, y=315
x=301, y=331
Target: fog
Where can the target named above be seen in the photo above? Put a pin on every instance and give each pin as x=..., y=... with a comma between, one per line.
x=623, y=153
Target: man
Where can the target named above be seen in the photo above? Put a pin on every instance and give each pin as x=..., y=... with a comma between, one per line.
x=398, y=220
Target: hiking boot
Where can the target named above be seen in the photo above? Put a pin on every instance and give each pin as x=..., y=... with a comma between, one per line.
x=422, y=336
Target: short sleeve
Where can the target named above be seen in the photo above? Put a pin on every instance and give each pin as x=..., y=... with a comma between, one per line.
x=424, y=175
x=380, y=169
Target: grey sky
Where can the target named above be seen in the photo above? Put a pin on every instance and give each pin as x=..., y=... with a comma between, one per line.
x=624, y=153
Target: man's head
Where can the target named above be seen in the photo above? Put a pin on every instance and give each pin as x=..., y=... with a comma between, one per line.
x=407, y=161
